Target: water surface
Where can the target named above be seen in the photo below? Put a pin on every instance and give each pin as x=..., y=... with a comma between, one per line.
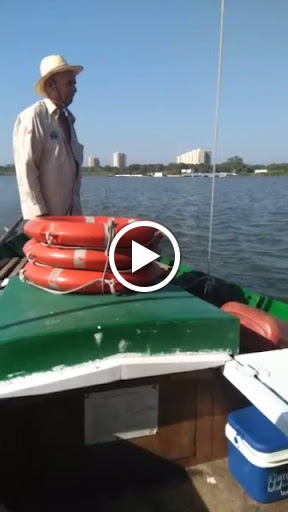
x=250, y=227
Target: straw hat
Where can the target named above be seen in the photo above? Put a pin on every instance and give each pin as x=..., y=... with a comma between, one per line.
x=51, y=65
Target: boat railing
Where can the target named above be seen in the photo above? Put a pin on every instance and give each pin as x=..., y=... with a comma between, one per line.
x=10, y=232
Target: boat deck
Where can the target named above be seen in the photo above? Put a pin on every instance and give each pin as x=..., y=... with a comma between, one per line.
x=10, y=267
x=148, y=485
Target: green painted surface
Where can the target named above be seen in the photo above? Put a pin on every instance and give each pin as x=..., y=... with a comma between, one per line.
x=13, y=246
x=40, y=330
x=220, y=291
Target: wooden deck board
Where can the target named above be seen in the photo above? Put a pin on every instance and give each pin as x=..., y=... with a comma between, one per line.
x=10, y=267
x=7, y=269
x=4, y=262
x=18, y=267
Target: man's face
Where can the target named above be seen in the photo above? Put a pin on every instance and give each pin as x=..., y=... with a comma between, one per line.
x=66, y=86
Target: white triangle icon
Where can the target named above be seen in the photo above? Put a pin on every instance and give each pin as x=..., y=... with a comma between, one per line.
x=141, y=256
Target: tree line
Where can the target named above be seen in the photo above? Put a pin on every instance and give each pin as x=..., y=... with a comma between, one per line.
x=232, y=165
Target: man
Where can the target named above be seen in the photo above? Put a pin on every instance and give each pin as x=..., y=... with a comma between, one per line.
x=47, y=154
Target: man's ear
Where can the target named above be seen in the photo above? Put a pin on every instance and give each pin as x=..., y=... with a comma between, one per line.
x=50, y=84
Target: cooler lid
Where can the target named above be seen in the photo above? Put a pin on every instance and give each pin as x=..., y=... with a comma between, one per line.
x=258, y=432
x=263, y=378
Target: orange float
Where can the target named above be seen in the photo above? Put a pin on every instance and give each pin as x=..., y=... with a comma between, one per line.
x=86, y=259
x=89, y=231
x=86, y=281
x=259, y=330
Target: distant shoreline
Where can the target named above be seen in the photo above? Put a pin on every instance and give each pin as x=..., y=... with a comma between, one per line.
x=233, y=167
x=240, y=175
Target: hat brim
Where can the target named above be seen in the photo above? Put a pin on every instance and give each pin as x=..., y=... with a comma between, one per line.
x=39, y=86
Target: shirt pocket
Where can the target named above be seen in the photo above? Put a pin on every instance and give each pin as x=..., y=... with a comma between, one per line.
x=54, y=150
x=52, y=140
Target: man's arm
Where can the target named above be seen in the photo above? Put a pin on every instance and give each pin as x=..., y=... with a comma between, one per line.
x=28, y=139
x=77, y=208
x=78, y=155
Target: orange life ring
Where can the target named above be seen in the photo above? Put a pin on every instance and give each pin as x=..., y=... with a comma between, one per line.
x=86, y=259
x=79, y=231
x=69, y=280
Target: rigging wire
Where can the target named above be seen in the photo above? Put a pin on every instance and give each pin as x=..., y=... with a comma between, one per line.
x=216, y=126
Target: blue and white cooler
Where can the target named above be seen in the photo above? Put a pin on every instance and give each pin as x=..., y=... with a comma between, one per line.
x=257, y=455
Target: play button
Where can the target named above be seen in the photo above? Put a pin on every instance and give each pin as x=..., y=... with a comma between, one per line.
x=141, y=256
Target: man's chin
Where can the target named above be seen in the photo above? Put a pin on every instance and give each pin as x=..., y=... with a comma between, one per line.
x=68, y=102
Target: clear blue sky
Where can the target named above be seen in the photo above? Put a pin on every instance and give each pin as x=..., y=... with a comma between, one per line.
x=149, y=84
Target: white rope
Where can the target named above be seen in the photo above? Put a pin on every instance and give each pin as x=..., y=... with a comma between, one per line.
x=109, y=227
x=50, y=243
x=109, y=235
x=49, y=238
x=109, y=282
x=214, y=152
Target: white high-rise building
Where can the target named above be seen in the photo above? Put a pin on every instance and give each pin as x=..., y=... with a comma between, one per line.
x=194, y=157
x=119, y=160
x=93, y=162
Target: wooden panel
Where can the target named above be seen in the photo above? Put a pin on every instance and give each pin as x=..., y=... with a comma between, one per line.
x=222, y=407
x=149, y=443
x=226, y=399
x=53, y=433
x=176, y=435
x=193, y=409
x=177, y=419
x=4, y=262
x=194, y=375
x=192, y=416
x=7, y=269
x=18, y=267
x=11, y=445
x=204, y=419
x=208, y=397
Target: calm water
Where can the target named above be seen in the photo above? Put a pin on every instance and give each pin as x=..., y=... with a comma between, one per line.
x=250, y=229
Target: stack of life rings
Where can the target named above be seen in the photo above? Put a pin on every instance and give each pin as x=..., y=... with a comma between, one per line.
x=71, y=254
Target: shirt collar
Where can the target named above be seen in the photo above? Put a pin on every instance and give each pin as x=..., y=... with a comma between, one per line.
x=50, y=106
x=52, y=109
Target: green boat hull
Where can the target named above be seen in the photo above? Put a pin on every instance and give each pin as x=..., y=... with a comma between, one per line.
x=50, y=342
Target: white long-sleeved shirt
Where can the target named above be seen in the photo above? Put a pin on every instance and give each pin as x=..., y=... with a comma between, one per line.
x=48, y=169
